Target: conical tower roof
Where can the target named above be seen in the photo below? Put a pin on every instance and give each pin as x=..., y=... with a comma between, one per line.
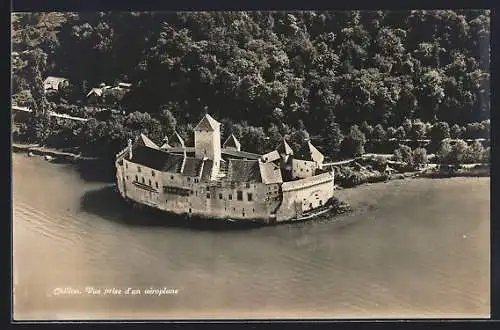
x=284, y=149
x=207, y=123
x=232, y=142
x=165, y=144
x=176, y=140
x=310, y=152
x=145, y=141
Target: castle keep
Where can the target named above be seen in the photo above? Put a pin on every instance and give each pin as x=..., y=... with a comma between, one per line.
x=224, y=182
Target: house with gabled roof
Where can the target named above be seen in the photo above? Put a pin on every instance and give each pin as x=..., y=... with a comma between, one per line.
x=55, y=83
x=221, y=181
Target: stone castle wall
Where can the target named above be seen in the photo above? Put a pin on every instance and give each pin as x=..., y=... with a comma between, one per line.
x=304, y=195
x=220, y=199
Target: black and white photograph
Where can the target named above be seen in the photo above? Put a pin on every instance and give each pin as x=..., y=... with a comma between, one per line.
x=250, y=165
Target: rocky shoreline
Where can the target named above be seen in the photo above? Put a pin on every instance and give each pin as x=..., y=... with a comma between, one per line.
x=349, y=175
x=49, y=153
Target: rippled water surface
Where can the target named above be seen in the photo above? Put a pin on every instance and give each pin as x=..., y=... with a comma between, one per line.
x=410, y=248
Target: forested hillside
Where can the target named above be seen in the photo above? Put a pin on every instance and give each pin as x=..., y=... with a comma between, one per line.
x=270, y=73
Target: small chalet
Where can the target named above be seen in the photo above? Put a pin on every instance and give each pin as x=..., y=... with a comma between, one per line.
x=55, y=83
x=97, y=93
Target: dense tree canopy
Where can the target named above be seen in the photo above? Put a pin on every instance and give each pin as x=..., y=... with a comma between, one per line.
x=379, y=67
x=284, y=73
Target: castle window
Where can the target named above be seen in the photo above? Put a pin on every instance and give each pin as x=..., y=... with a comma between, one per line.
x=126, y=177
x=139, y=169
x=171, y=177
x=126, y=165
x=136, y=178
x=191, y=192
x=156, y=184
x=189, y=179
x=234, y=208
x=150, y=183
x=143, y=181
x=239, y=195
x=250, y=197
x=208, y=195
x=253, y=210
x=230, y=197
x=247, y=185
x=189, y=210
x=320, y=202
x=153, y=173
x=208, y=188
x=220, y=196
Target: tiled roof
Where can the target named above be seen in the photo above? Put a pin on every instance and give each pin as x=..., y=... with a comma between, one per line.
x=156, y=159
x=284, y=149
x=53, y=82
x=192, y=166
x=207, y=170
x=51, y=79
x=309, y=152
x=145, y=141
x=232, y=142
x=270, y=173
x=176, y=140
x=270, y=156
x=180, y=149
x=96, y=91
x=207, y=123
x=124, y=85
x=239, y=154
x=240, y=170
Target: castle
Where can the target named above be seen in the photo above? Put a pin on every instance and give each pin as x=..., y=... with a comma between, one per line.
x=224, y=182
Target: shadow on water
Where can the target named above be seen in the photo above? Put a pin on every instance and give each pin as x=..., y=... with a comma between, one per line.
x=107, y=203
x=96, y=170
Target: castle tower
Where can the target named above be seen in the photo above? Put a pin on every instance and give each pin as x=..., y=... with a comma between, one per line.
x=286, y=158
x=284, y=150
x=207, y=141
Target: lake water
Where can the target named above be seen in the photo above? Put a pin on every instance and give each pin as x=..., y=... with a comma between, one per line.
x=411, y=248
